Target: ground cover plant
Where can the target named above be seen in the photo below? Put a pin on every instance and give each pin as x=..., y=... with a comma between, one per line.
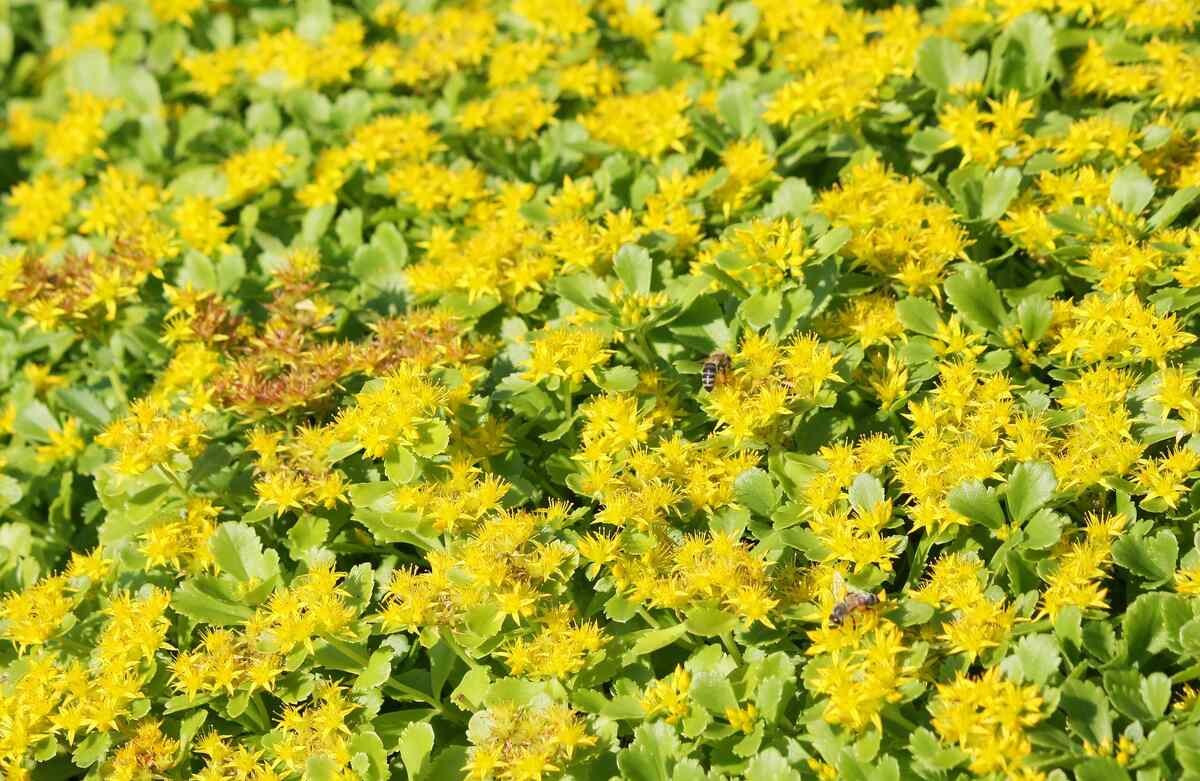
x=776, y=389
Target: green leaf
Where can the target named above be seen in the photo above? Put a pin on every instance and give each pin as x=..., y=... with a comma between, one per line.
x=865, y=492
x=1124, y=692
x=584, y=290
x=919, y=315
x=1023, y=57
x=761, y=309
x=977, y=502
x=832, y=241
x=1172, y=208
x=1044, y=530
x=320, y=768
x=381, y=263
x=791, y=199
x=770, y=765
x=447, y=765
x=1000, y=187
x=349, y=229
x=6, y=43
x=931, y=754
x=1039, y=657
x=709, y=622
x=1034, y=315
x=91, y=71
x=737, y=107
x=1155, y=689
x=1101, y=769
x=755, y=491
x=712, y=690
x=370, y=760
x=416, y=743
x=433, y=440
x=442, y=660
x=976, y=298
x=376, y=672
x=1132, y=190
x=941, y=63
x=316, y=222
x=473, y=688
x=1030, y=486
x=1159, y=739
x=314, y=18
x=10, y=492
x=200, y=599
x=619, y=379
x=1187, y=748
x=703, y=325
x=983, y=196
x=634, y=268
x=1087, y=710
x=646, y=759
x=191, y=725
x=358, y=585
x=651, y=640
x=1189, y=638
x=1152, y=558
x=308, y=532
x=91, y=749
x=238, y=551
x=35, y=421
x=1145, y=625
x=1099, y=640
x=777, y=684
x=85, y=405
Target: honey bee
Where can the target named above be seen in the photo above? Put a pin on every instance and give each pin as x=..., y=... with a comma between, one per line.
x=850, y=600
x=715, y=366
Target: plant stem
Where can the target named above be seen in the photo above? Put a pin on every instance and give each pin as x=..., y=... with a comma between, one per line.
x=731, y=647
x=261, y=716
x=448, y=637
x=1189, y=674
x=918, y=565
x=118, y=387
x=891, y=714
x=649, y=619
x=169, y=473
x=411, y=693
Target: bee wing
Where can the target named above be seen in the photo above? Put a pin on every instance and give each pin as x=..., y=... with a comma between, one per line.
x=838, y=587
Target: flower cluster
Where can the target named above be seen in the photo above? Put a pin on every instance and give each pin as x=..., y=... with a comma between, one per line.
x=987, y=717
x=516, y=389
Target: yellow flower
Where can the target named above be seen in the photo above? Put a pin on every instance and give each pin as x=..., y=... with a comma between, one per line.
x=34, y=615
x=212, y=72
x=987, y=718
x=669, y=697
x=40, y=377
x=742, y=719
x=80, y=131
x=714, y=44
x=516, y=112
x=648, y=123
x=201, y=224
x=1187, y=580
x=283, y=490
x=570, y=354
x=176, y=10
x=96, y=30
x=42, y=205
x=254, y=170
x=65, y=443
